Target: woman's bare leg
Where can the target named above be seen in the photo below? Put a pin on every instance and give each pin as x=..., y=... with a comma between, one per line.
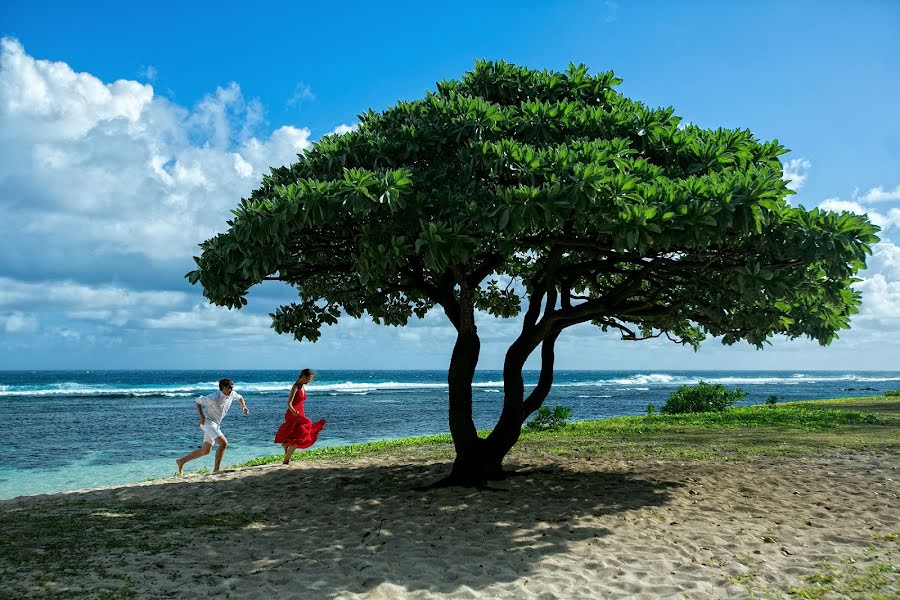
x=288, y=453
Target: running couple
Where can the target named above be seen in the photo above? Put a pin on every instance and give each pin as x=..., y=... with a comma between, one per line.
x=297, y=431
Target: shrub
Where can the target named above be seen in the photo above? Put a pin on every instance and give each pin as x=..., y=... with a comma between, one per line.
x=704, y=397
x=772, y=400
x=651, y=410
x=548, y=420
x=892, y=393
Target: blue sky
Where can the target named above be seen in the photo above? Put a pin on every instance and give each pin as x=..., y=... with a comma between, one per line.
x=128, y=132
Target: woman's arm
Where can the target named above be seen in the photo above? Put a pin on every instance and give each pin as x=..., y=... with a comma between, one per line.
x=291, y=400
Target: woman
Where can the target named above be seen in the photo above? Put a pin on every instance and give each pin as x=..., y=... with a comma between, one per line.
x=298, y=430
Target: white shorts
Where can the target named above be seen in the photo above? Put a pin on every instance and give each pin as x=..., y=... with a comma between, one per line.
x=211, y=431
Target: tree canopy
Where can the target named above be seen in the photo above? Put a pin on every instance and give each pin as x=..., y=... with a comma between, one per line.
x=546, y=193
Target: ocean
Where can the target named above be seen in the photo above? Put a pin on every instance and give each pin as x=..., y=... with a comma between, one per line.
x=68, y=430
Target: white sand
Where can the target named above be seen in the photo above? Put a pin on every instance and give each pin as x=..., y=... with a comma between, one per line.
x=602, y=529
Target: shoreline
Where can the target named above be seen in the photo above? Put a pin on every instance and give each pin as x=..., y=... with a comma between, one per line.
x=616, y=509
x=443, y=439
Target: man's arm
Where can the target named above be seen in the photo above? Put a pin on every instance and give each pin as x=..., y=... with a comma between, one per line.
x=243, y=405
x=199, y=404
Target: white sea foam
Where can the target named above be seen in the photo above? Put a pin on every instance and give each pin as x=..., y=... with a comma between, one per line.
x=655, y=378
x=638, y=382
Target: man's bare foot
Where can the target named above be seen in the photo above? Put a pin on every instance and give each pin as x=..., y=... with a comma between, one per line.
x=180, y=467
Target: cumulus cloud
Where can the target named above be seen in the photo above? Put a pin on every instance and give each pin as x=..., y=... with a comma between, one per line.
x=881, y=300
x=879, y=194
x=112, y=169
x=885, y=260
x=795, y=172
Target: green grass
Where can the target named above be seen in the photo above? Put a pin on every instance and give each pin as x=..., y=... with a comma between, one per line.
x=786, y=429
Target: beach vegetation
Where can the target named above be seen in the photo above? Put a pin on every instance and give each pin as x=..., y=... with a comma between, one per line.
x=789, y=429
x=550, y=420
x=893, y=393
x=703, y=397
x=547, y=196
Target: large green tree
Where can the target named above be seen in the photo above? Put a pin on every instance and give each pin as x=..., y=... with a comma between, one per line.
x=550, y=194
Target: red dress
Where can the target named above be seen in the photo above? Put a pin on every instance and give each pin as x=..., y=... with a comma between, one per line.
x=298, y=430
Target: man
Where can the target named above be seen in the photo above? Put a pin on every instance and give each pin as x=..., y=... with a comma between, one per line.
x=217, y=405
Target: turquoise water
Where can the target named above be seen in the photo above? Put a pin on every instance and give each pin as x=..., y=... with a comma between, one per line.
x=68, y=430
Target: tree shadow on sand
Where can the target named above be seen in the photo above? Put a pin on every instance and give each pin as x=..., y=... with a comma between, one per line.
x=324, y=531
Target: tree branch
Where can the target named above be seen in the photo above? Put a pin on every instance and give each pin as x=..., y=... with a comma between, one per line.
x=545, y=380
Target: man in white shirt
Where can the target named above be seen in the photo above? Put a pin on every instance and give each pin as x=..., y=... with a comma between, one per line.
x=217, y=405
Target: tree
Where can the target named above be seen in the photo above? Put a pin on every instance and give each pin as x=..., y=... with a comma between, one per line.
x=513, y=190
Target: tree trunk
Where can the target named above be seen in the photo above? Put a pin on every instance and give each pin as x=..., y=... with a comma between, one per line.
x=471, y=467
x=479, y=461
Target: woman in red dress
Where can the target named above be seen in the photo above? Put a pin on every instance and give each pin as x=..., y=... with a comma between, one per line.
x=298, y=430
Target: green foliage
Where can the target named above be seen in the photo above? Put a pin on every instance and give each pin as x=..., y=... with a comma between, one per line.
x=772, y=400
x=704, y=397
x=651, y=410
x=510, y=183
x=892, y=393
x=549, y=420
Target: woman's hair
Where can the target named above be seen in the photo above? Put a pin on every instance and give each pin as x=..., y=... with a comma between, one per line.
x=306, y=373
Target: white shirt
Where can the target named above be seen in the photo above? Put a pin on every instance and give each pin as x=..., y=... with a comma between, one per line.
x=217, y=404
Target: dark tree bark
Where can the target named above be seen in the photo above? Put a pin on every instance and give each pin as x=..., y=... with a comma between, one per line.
x=479, y=461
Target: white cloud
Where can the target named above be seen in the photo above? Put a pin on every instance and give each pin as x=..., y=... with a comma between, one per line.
x=301, y=93
x=886, y=220
x=149, y=73
x=342, y=129
x=107, y=303
x=18, y=322
x=879, y=194
x=795, y=171
x=885, y=260
x=112, y=169
x=217, y=321
x=838, y=205
x=881, y=300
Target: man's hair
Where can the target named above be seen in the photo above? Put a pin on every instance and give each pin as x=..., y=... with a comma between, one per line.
x=223, y=383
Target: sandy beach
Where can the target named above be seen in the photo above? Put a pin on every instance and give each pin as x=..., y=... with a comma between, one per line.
x=355, y=528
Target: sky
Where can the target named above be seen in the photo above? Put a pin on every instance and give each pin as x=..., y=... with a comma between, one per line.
x=128, y=131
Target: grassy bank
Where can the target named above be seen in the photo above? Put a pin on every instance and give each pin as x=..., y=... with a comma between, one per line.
x=788, y=429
